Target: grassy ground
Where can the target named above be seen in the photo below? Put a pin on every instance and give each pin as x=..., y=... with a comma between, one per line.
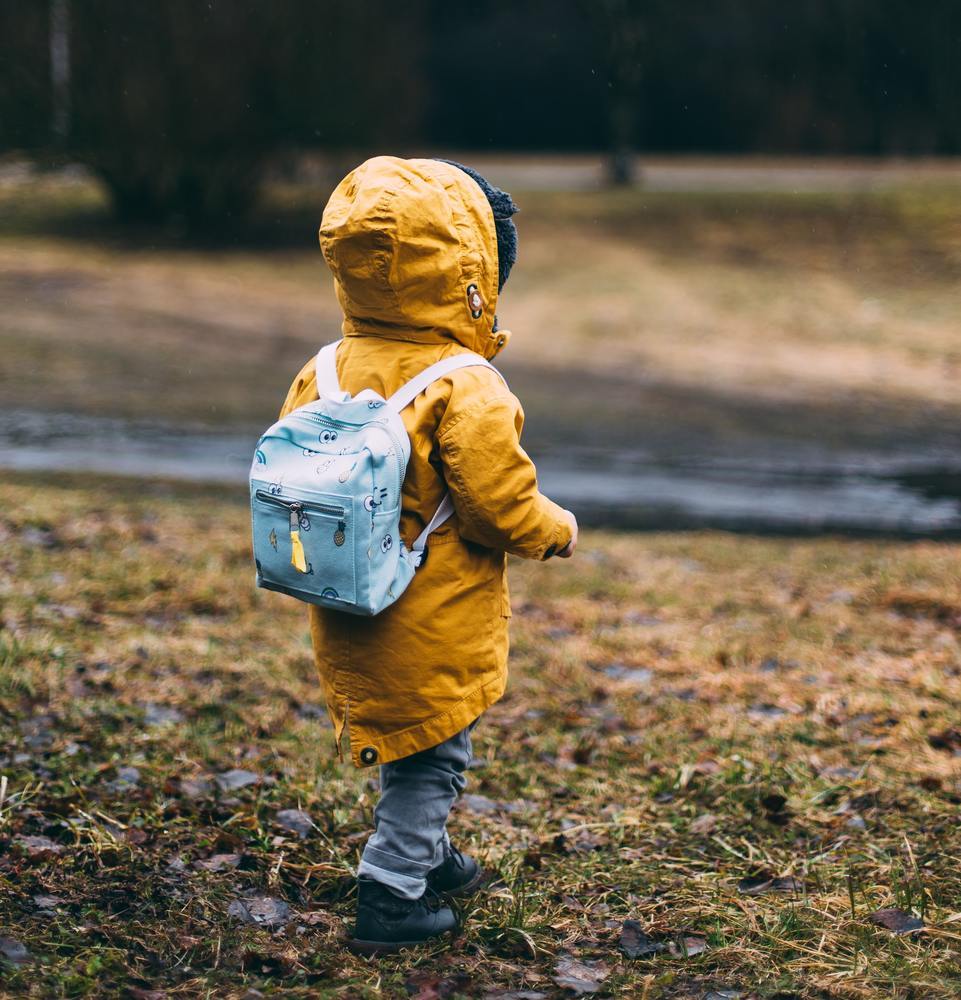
x=690, y=717
x=807, y=300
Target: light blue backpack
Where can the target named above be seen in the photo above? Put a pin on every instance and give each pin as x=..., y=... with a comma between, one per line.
x=325, y=494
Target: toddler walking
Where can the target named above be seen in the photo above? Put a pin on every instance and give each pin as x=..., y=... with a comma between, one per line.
x=420, y=250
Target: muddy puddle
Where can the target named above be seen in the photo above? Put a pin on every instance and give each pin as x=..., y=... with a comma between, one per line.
x=910, y=493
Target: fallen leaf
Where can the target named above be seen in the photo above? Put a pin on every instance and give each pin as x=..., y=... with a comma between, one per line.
x=423, y=985
x=307, y=710
x=707, y=767
x=636, y=676
x=787, y=883
x=14, y=951
x=764, y=710
x=479, y=804
x=948, y=739
x=47, y=902
x=484, y=806
x=311, y=918
x=218, y=862
x=774, y=802
x=514, y=995
x=723, y=995
x=39, y=847
x=640, y=618
x=196, y=788
x=839, y=773
x=161, y=715
x=704, y=823
x=687, y=947
x=264, y=911
x=635, y=943
x=897, y=921
x=580, y=977
x=236, y=778
x=295, y=820
x=588, y=840
x=127, y=778
x=755, y=885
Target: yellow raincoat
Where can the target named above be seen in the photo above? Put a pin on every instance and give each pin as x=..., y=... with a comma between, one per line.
x=405, y=239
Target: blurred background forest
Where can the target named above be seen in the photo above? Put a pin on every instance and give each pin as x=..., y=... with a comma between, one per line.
x=180, y=106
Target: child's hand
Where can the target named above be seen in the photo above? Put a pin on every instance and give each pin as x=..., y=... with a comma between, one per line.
x=568, y=549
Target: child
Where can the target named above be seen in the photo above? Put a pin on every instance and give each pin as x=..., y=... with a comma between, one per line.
x=420, y=250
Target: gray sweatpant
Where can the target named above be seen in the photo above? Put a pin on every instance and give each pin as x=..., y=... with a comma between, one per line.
x=410, y=820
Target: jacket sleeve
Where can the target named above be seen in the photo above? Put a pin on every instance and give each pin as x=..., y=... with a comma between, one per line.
x=493, y=483
x=302, y=390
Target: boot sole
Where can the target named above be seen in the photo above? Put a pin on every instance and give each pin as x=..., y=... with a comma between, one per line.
x=370, y=948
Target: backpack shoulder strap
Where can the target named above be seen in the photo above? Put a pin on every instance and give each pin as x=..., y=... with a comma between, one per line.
x=406, y=394
x=325, y=369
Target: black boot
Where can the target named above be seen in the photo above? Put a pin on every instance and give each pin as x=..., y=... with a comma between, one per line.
x=456, y=875
x=387, y=923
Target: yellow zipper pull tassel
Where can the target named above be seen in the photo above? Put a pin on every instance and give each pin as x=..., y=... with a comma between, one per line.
x=297, y=557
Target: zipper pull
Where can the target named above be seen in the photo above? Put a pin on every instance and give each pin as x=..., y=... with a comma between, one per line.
x=297, y=557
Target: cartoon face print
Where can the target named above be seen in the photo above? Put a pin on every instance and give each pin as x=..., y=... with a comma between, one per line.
x=275, y=488
x=374, y=404
x=259, y=457
x=304, y=521
x=345, y=473
x=386, y=543
x=324, y=466
x=272, y=538
x=340, y=535
x=327, y=437
x=372, y=502
x=329, y=593
x=309, y=453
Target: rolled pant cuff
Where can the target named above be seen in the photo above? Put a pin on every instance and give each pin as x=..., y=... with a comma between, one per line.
x=406, y=886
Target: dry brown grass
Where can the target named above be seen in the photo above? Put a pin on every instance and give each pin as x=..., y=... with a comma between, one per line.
x=686, y=711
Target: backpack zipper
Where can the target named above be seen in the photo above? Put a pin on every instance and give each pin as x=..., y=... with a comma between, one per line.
x=322, y=418
x=296, y=506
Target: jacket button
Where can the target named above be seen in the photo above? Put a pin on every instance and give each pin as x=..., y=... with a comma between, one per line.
x=368, y=755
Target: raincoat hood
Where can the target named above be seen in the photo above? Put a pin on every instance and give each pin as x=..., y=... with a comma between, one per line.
x=413, y=249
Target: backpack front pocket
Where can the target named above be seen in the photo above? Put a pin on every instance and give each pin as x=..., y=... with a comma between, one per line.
x=304, y=545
